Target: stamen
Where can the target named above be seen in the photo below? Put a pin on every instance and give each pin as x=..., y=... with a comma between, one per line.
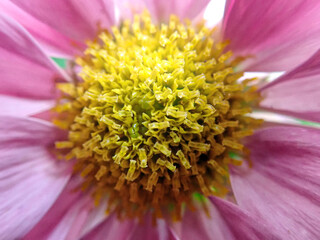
x=153, y=116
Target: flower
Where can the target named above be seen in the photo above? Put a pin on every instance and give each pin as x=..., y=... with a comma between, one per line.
x=105, y=108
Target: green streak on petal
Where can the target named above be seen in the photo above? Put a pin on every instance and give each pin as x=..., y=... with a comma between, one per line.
x=60, y=61
x=307, y=123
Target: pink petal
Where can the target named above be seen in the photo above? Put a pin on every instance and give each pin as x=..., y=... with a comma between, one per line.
x=111, y=228
x=21, y=107
x=96, y=216
x=25, y=71
x=128, y=8
x=282, y=187
x=225, y=221
x=203, y=227
x=190, y=8
x=53, y=42
x=243, y=225
x=147, y=230
x=30, y=177
x=279, y=34
x=67, y=216
x=71, y=217
x=77, y=19
x=161, y=10
x=296, y=93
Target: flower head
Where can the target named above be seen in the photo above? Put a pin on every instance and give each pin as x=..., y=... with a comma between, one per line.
x=155, y=115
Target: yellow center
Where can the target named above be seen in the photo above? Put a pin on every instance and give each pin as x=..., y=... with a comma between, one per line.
x=154, y=116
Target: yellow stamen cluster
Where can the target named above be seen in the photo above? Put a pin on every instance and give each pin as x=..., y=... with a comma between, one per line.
x=154, y=115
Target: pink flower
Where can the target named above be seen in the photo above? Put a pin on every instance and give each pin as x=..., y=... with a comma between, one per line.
x=277, y=198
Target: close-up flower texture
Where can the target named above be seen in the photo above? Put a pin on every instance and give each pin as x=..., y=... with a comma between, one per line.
x=144, y=119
